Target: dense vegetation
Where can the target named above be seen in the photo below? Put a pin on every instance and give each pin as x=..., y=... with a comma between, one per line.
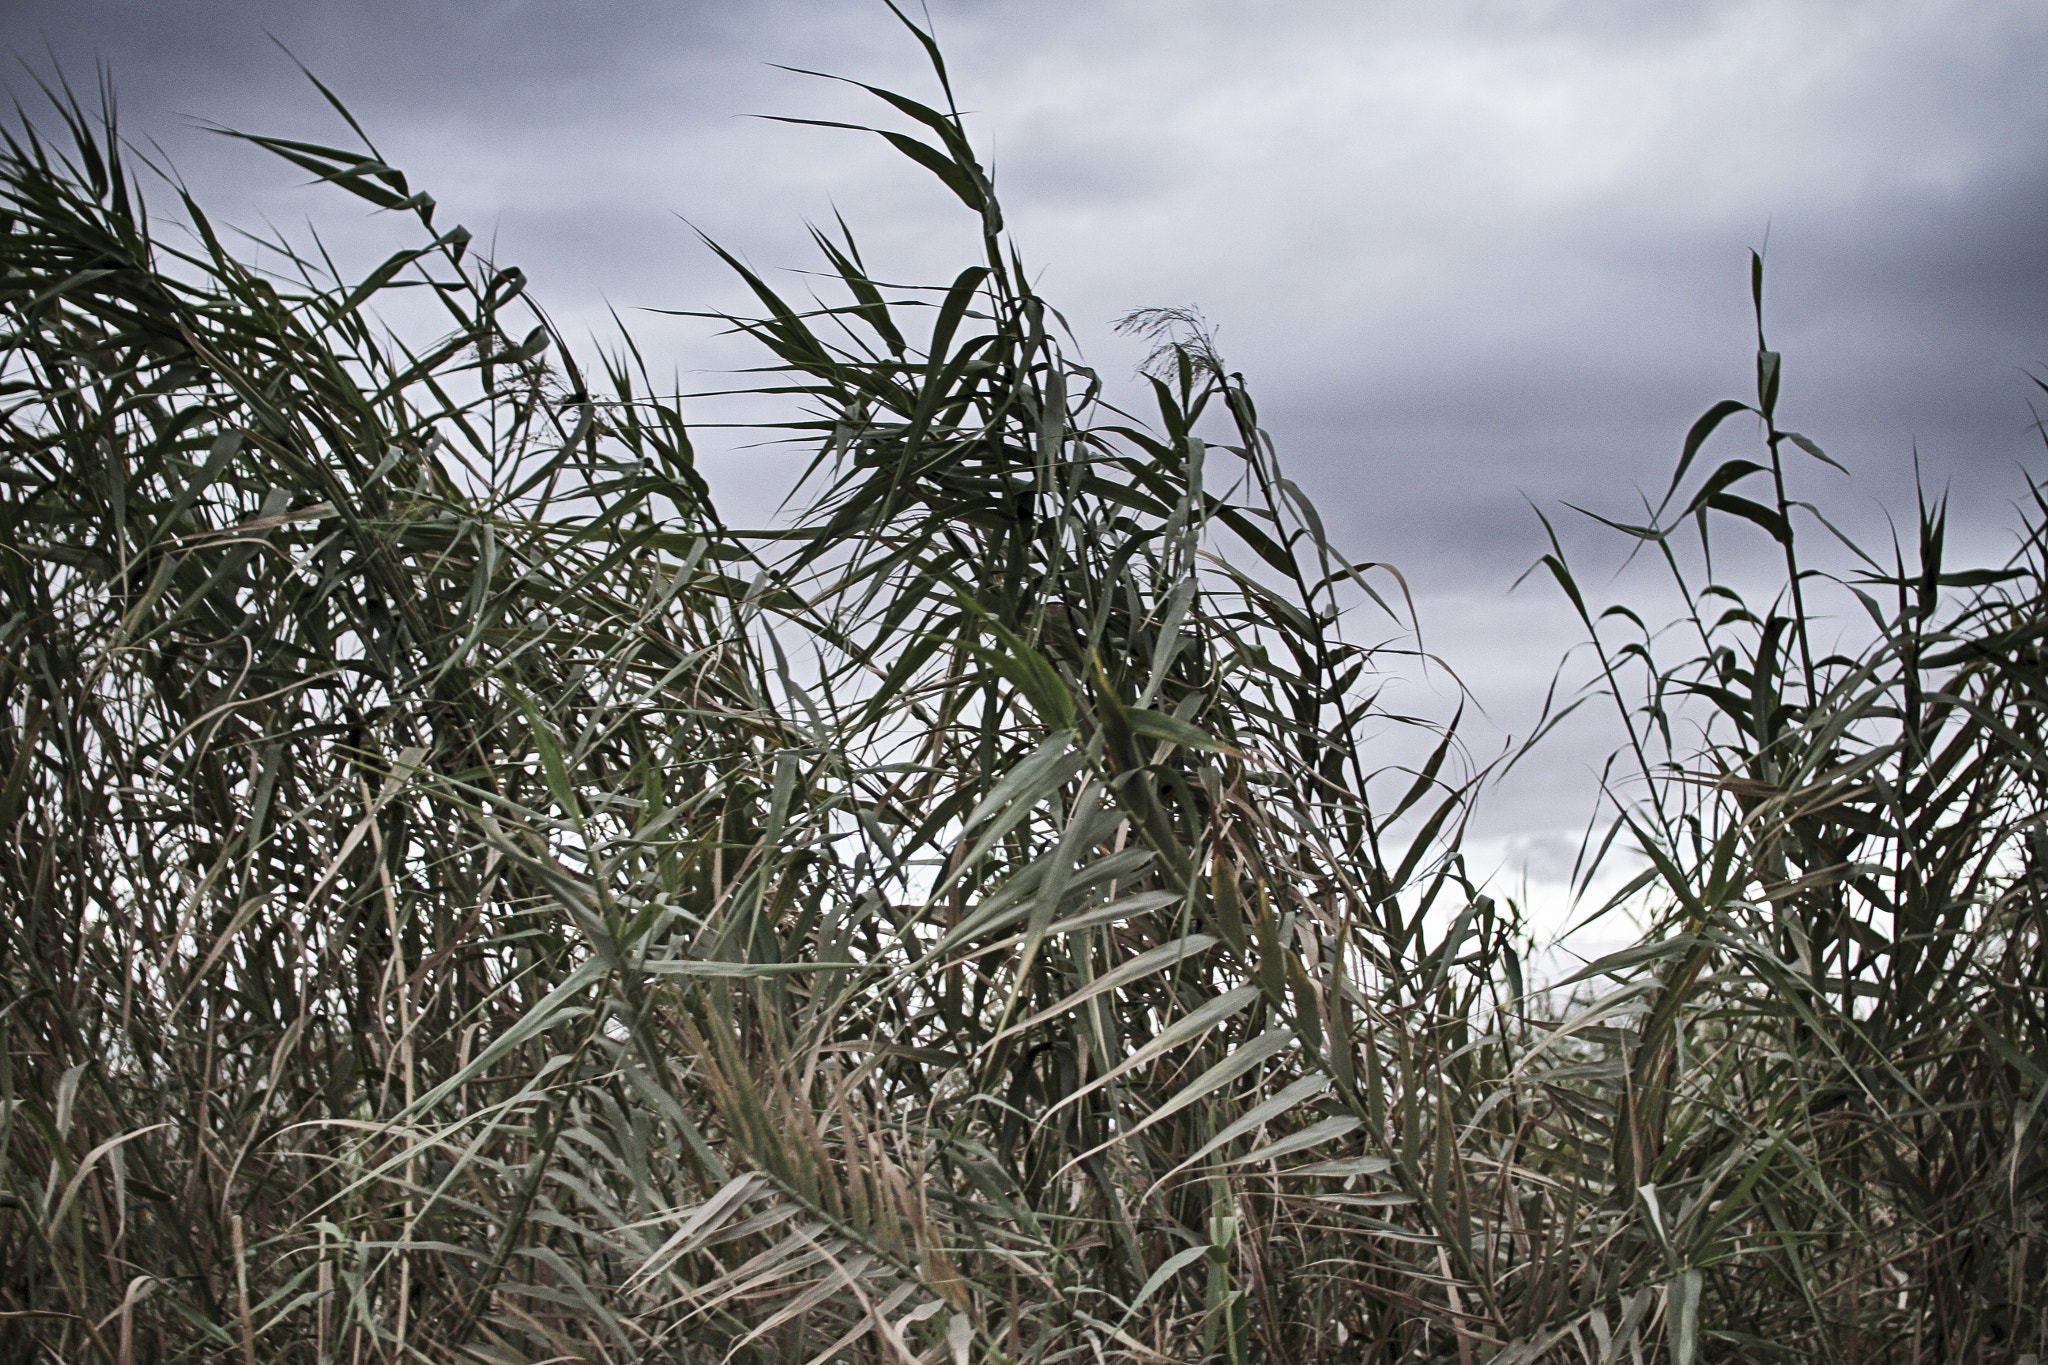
x=464, y=902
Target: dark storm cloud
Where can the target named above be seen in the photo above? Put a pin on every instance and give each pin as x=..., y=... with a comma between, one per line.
x=403, y=55
x=1468, y=253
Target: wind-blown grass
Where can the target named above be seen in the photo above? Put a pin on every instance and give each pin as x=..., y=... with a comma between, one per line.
x=468, y=903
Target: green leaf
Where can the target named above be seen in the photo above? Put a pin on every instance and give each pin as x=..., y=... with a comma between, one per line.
x=1296, y=1093
x=1315, y=1135
x=1143, y=965
x=1182, y=1031
x=1618, y=963
x=1780, y=530
x=1685, y=1317
x=1155, y=725
x=1168, y=1268
x=1697, y=437
x=741, y=971
x=1344, y=1167
x=1812, y=449
x=1259, y=1050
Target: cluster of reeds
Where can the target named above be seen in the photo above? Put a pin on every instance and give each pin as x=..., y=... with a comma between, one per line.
x=465, y=902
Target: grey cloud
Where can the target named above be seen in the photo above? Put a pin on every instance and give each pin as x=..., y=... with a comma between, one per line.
x=1466, y=253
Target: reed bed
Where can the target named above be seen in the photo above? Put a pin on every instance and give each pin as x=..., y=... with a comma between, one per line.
x=467, y=902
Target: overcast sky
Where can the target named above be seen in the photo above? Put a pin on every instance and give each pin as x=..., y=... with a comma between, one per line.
x=1470, y=255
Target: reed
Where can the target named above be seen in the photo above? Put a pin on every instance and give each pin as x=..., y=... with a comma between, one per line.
x=467, y=902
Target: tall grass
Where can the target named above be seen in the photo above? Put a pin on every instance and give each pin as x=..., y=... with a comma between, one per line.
x=466, y=902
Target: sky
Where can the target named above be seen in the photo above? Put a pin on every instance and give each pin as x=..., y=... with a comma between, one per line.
x=1475, y=257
